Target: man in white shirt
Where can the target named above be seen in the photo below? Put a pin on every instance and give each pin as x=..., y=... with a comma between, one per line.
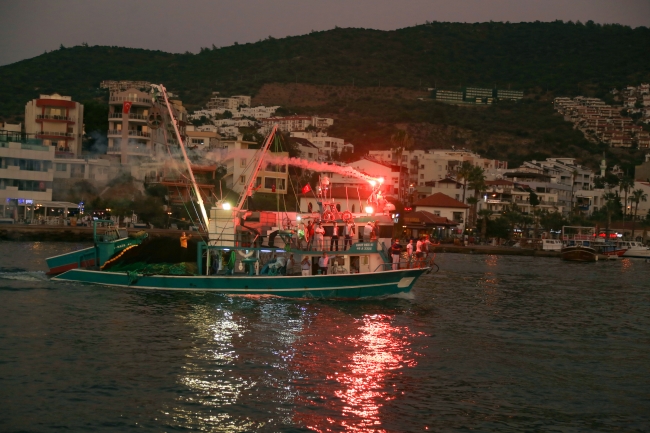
x=323, y=263
x=347, y=232
x=319, y=236
x=306, y=267
x=335, y=237
x=409, y=252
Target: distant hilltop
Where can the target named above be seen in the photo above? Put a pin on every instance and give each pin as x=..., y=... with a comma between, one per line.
x=563, y=58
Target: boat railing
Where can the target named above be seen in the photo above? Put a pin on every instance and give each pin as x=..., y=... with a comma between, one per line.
x=426, y=263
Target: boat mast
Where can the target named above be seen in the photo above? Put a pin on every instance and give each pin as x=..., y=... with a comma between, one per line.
x=206, y=222
x=249, y=185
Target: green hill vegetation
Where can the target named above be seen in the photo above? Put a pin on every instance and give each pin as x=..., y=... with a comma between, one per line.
x=543, y=59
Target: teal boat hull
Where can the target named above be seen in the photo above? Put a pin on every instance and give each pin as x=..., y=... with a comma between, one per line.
x=316, y=286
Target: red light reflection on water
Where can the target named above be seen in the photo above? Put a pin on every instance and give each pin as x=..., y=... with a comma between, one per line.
x=361, y=360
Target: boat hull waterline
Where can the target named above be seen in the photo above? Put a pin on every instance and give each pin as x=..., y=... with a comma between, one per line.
x=316, y=286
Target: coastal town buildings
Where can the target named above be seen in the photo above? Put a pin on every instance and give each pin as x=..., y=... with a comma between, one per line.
x=295, y=123
x=26, y=174
x=441, y=205
x=239, y=158
x=613, y=125
x=58, y=121
x=329, y=147
x=136, y=128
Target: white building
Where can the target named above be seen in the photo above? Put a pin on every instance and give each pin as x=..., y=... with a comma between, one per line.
x=442, y=205
x=58, y=121
x=26, y=174
x=240, y=161
x=433, y=165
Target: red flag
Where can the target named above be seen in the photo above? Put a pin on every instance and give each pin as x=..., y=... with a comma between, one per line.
x=306, y=189
x=126, y=107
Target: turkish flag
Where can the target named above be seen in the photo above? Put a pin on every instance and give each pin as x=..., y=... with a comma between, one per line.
x=306, y=189
x=126, y=107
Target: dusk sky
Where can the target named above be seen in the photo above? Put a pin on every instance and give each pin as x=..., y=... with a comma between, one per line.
x=28, y=27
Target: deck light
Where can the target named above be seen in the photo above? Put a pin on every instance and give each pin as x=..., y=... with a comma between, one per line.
x=225, y=206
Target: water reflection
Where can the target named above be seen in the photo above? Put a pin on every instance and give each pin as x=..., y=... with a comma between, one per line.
x=208, y=373
x=354, y=361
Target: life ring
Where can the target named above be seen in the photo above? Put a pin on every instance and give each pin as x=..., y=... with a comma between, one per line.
x=246, y=254
x=328, y=216
x=347, y=215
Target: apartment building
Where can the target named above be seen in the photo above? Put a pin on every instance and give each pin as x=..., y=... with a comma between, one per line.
x=239, y=158
x=26, y=174
x=296, y=123
x=327, y=145
x=58, y=121
x=433, y=165
x=132, y=138
x=563, y=171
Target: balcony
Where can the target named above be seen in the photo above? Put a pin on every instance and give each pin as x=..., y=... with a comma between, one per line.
x=130, y=150
x=131, y=116
x=55, y=135
x=53, y=118
x=131, y=133
x=116, y=99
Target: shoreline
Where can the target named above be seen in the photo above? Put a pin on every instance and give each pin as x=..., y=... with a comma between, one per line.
x=44, y=233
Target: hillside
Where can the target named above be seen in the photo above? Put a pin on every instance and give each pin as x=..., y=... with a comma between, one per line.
x=369, y=79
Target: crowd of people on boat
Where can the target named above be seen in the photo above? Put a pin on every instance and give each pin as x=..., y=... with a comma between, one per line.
x=312, y=236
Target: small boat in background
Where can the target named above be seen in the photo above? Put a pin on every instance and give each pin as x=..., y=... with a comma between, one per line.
x=633, y=249
x=578, y=244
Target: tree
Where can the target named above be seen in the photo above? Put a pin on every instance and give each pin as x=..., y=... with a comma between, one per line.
x=476, y=183
x=637, y=196
x=485, y=214
x=574, y=175
x=463, y=172
x=402, y=142
x=612, y=204
x=625, y=185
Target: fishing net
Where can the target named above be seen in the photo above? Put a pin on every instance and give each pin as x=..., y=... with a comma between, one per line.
x=163, y=256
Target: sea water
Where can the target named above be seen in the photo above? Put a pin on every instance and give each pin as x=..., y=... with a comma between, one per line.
x=490, y=343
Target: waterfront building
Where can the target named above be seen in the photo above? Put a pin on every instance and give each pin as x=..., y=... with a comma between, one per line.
x=441, y=205
x=58, y=121
x=26, y=174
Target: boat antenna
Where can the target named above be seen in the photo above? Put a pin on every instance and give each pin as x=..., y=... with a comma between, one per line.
x=249, y=185
x=160, y=88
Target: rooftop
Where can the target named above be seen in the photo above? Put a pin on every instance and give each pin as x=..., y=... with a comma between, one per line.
x=440, y=200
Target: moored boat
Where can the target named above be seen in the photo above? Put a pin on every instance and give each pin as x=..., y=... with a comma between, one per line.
x=633, y=249
x=578, y=244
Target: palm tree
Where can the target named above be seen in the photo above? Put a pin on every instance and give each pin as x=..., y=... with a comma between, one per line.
x=401, y=142
x=612, y=203
x=476, y=183
x=464, y=172
x=625, y=185
x=637, y=196
x=574, y=176
x=486, y=214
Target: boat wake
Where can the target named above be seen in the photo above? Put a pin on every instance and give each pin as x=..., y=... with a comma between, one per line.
x=20, y=274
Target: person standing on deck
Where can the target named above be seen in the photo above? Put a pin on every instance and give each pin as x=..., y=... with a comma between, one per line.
x=323, y=263
x=306, y=267
x=335, y=237
x=409, y=252
x=309, y=233
x=319, y=234
x=348, y=231
x=419, y=255
x=290, y=264
x=184, y=239
x=395, y=251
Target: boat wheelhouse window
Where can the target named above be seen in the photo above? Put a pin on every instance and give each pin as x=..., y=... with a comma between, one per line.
x=385, y=231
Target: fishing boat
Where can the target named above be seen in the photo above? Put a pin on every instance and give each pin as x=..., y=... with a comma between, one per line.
x=578, y=244
x=229, y=255
x=108, y=242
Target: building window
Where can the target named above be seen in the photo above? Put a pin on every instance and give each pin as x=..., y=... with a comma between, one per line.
x=436, y=212
x=61, y=167
x=270, y=181
x=242, y=179
x=242, y=162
